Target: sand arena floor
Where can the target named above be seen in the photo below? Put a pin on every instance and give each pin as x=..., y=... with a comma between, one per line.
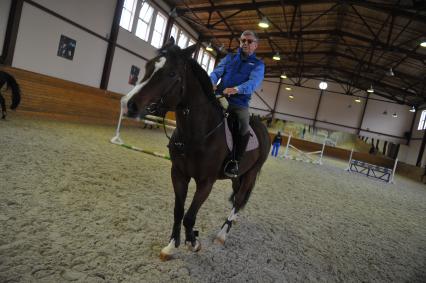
x=74, y=207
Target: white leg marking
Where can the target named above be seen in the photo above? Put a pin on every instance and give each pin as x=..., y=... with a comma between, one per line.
x=221, y=236
x=168, y=251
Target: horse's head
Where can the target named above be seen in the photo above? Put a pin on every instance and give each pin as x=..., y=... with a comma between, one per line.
x=163, y=85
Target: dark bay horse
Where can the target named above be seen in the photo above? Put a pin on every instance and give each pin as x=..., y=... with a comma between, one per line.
x=8, y=79
x=174, y=81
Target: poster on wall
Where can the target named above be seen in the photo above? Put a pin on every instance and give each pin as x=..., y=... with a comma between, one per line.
x=66, y=47
x=134, y=73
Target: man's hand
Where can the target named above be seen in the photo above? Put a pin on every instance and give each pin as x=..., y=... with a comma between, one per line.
x=230, y=91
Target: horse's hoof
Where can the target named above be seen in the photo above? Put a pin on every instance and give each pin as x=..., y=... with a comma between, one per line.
x=164, y=256
x=219, y=241
x=168, y=251
x=194, y=248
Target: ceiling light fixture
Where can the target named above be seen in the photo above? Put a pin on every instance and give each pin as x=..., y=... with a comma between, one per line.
x=209, y=47
x=423, y=43
x=357, y=100
x=291, y=96
x=276, y=57
x=283, y=76
x=371, y=89
x=390, y=73
x=394, y=115
x=323, y=85
x=264, y=23
x=413, y=109
x=288, y=88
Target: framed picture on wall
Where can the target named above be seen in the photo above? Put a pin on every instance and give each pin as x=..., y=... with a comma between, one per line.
x=66, y=47
x=134, y=73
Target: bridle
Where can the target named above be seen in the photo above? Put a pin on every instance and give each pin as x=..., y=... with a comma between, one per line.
x=161, y=104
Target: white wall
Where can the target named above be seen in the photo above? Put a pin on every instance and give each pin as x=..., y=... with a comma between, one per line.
x=338, y=111
x=4, y=16
x=37, y=45
x=376, y=121
x=120, y=71
x=95, y=15
x=409, y=153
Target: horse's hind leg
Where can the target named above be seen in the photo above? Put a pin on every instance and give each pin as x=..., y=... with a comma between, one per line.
x=201, y=193
x=180, y=186
x=240, y=198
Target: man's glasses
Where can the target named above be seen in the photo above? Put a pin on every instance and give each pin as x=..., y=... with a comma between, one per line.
x=249, y=41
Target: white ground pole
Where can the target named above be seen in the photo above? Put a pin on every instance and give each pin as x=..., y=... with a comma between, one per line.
x=306, y=155
x=116, y=139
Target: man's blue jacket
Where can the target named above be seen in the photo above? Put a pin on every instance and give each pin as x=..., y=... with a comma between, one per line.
x=244, y=73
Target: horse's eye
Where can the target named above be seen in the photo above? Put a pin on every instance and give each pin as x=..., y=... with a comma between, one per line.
x=172, y=74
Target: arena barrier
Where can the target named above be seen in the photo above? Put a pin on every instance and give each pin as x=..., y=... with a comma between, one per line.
x=303, y=155
x=370, y=170
x=150, y=120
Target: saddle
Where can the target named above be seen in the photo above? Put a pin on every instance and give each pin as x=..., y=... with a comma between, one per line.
x=231, y=128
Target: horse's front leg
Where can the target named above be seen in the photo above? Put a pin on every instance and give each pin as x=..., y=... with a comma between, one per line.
x=202, y=192
x=180, y=186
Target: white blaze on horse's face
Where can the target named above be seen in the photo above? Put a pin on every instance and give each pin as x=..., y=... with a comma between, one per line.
x=158, y=65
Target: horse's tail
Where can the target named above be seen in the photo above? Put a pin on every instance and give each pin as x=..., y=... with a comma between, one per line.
x=249, y=179
x=16, y=91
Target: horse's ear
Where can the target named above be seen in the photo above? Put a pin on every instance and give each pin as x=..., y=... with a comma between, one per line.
x=163, y=50
x=189, y=50
x=169, y=42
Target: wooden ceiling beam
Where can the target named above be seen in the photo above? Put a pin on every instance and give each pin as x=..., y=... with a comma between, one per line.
x=406, y=11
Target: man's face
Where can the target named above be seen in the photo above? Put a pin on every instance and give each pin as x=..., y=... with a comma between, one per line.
x=248, y=44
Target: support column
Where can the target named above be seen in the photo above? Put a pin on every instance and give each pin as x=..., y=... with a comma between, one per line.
x=411, y=129
x=168, y=31
x=363, y=114
x=316, y=111
x=112, y=42
x=422, y=149
x=12, y=32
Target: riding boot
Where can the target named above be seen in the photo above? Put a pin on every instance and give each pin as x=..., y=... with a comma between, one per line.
x=231, y=168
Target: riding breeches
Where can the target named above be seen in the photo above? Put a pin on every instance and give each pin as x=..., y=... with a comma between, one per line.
x=243, y=117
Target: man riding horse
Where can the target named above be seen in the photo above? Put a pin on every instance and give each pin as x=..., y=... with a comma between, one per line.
x=241, y=74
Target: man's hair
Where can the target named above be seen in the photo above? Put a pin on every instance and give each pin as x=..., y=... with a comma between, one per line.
x=250, y=32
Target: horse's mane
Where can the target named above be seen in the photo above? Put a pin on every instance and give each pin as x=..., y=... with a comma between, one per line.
x=202, y=77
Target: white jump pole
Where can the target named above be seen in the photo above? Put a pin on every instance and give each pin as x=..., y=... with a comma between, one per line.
x=286, y=148
x=393, y=170
x=116, y=139
x=350, y=159
x=322, y=152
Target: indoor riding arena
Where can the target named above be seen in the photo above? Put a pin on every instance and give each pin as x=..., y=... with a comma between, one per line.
x=86, y=191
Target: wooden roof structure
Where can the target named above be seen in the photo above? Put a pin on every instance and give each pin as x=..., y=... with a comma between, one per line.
x=353, y=42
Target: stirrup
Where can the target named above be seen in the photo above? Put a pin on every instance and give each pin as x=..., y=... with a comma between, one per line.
x=231, y=174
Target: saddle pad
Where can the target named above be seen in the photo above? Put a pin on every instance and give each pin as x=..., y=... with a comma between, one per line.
x=253, y=141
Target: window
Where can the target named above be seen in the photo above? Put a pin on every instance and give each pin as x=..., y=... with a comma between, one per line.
x=206, y=60
x=144, y=21
x=422, y=122
x=149, y=24
x=183, y=40
x=174, y=32
x=127, y=15
x=159, y=29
